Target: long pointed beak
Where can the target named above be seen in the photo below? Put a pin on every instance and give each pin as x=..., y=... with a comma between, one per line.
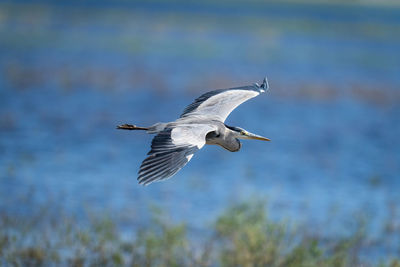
x=256, y=137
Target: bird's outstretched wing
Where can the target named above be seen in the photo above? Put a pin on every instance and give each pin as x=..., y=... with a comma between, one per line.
x=218, y=104
x=171, y=149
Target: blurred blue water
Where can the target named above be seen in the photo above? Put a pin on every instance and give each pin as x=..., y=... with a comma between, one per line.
x=70, y=74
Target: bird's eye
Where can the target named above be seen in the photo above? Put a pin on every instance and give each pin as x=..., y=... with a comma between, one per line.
x=242, y=133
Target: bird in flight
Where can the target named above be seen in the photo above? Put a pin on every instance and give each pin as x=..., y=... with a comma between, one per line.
x=201, y=123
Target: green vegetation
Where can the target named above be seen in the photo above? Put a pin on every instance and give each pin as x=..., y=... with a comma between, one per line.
x=241, y=236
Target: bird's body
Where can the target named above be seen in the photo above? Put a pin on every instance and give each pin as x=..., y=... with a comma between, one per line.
x=202, y=122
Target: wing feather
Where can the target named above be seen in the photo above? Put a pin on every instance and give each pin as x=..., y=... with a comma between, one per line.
x=172, y=149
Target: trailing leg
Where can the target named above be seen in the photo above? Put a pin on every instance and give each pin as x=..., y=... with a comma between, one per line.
x=131, y=127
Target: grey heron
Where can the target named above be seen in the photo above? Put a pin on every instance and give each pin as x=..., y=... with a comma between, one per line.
x=202, y=122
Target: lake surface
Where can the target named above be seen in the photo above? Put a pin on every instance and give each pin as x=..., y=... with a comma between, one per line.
x=71, y=73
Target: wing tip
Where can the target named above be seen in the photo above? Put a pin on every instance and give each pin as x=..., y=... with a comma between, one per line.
x=264, y=86
x=145, y=180
x=143, y=183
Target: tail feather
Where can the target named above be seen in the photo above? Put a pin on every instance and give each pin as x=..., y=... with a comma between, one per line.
x=131, y=127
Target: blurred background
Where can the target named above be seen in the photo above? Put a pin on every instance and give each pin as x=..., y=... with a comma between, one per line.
x=71, y=71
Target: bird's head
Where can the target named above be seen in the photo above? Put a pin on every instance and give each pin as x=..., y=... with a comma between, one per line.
x=243, y=134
